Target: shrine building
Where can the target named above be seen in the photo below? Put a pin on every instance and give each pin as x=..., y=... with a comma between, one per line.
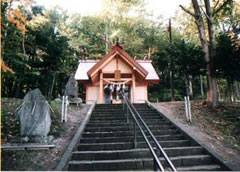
x=104, y=79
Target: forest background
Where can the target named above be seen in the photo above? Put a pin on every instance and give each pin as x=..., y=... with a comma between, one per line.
x=41, y=47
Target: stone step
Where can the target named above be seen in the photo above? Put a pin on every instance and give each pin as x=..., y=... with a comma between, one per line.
x=149, y=121
x=129, y=145
x=107, y=114
x=107, y=105
x=201, y=168
x=108, y=118
x=126, y=128
x=108, y=121
x=108, y=108
x=135, y=164
x=126, y=133
x=128, y=139
x=108, y=143
x=118, y=109
x=108, y=111
x=110, y=124
x=134, y=153
x=103, y=114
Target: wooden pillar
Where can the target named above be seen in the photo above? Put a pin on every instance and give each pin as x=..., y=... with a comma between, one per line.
x=133, y=86
x=101, y=87
x=146, y=91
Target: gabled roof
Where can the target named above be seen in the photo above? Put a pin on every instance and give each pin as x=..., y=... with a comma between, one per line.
x=117, y=50
x=147, y=65
x=85, y=65
x=87, y=68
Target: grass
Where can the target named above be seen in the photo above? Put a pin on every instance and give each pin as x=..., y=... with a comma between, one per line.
x=222, y=122
x=15, y=156
x=10, y=123
x=56, y=127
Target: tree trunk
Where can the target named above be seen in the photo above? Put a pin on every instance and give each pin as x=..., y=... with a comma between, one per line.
x=171, y=64
x=212, y=52
x=19, y=90
x=190, y=86
x=232, y=91
x=229, y=90
x=201, y=86
x=186, y=79
x=219, y=92
x=211, y=80
x=52, y=85
x=106, y=44
x=237, y=89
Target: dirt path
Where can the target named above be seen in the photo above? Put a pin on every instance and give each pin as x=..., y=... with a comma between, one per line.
x=175, y=111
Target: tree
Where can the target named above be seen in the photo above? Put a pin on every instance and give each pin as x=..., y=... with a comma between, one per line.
x=14, y=20
x=188, y=62
x=15, y=16
x=227, y=62
x=209, y=50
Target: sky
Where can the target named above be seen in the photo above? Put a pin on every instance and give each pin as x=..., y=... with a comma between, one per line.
x=166, y=8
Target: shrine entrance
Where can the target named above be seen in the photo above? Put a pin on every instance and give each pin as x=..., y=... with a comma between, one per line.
x=112, y=93
x=107, y=96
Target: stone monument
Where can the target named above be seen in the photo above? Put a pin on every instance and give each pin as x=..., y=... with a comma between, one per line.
x=71, y=90
x=34, y=115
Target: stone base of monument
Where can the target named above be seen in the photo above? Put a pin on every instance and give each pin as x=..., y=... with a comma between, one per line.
x=37, y=139
x=75, y=100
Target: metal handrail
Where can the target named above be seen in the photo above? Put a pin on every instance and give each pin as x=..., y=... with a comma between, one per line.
x=157, y=164
x=169, y=162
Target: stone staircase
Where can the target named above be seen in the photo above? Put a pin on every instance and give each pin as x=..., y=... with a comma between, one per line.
x=107, y=144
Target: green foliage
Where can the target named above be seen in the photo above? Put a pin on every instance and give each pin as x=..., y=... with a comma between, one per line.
x=10, y=126
x=164, y=95
x=188, y=58
x=56, y=127
x=48, y=59
x=55, y=41
x=227, y=60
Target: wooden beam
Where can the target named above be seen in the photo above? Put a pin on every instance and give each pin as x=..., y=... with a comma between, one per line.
x=133, y=86
x=101, y=87
x=117, y=59
x=146, y=91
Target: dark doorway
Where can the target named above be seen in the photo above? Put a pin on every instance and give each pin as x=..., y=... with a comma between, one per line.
x=107, y=95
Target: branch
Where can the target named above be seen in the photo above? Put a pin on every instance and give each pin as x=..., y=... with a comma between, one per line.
x=204, y=12
x=222, y=6
x=104, y=40
x=216, y=4
x=187, y=11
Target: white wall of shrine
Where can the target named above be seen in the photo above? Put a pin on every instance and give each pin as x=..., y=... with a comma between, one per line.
x=141, y=94
x=92, y=94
